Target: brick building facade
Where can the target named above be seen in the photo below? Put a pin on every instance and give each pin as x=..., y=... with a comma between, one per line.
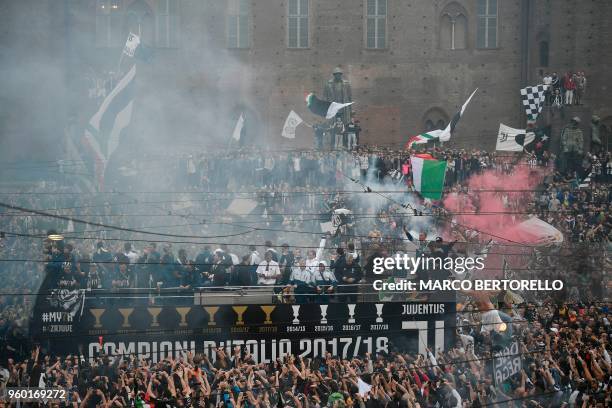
x=411, y=63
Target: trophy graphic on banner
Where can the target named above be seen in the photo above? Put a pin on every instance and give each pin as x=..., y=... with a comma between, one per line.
x=379, y=308
x=323, y=314
x=212, y=311
x=268, y=311
x=97, y=314
x=296, y=314
x=239, y=314
x=126, y=312
x=182, y=311
x=351, y=310
x=154, y=312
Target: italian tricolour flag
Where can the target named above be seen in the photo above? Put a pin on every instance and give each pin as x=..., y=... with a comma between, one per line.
x=428, y=175
x=424, y=138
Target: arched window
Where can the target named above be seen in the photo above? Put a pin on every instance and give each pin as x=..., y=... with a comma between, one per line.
x=140, y=20
x=453, y=27
x=460, y=33
x=434, y=119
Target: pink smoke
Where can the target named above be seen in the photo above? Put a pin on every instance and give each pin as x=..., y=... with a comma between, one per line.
x=485, y=211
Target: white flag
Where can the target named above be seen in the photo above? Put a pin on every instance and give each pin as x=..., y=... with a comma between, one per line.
x=238, y=128
x=241, y=206
x=334, y=108
x=292, y=122
x=513, y=140
x=133, y=41
x=363, y=387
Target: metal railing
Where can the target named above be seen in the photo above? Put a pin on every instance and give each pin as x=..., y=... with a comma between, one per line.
x=260, y=294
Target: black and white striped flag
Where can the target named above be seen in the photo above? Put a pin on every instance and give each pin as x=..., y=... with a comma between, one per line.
x=103, y=132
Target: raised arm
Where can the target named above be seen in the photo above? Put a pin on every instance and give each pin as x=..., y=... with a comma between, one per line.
x=320, y=249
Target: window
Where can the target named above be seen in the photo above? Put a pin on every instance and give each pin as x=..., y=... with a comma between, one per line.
x=429, y=126
x=376, y=24
x=167, y=23
x=487, y=24
x=453, y=28
x=298, y=24
x=434, y=119
x=108, y=23
x=238, y=24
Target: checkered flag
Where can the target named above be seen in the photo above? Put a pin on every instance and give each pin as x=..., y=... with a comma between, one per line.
x=533, y=96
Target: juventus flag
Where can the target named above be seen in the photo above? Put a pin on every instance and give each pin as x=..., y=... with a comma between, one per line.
x=291, y=123
x=532, y=97
x=513, y=140
x=340, y=217
x=133, y=41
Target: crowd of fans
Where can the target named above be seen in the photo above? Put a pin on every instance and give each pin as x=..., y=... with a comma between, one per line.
x=321, y=182
x=564, y=355
x=293, y=194
x=325, y=169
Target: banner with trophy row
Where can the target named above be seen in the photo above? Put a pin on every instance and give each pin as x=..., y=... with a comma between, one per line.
x=267, y=332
